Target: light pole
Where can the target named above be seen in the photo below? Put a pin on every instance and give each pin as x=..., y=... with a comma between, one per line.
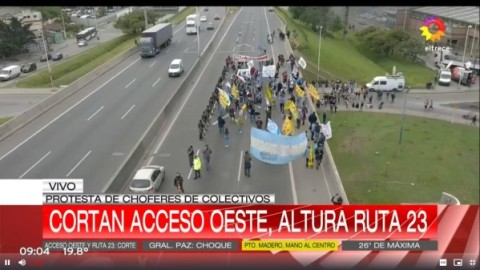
x=46, y=57
x=405, y=18
x=465, y=46
x=145, y=15
x=63, y=23
x=319, y=47
x=403, y=118
x=198, y=31
x=473, y=39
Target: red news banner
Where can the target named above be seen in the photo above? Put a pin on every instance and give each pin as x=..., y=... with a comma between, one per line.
x=387, y=222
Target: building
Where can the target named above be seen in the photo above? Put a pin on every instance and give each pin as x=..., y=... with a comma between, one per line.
x=461, y=25
x=26, y=16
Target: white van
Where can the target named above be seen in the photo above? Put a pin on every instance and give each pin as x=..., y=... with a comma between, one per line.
x=387, y=83
x=444, y=77
x=175, y=68
x=9, y=73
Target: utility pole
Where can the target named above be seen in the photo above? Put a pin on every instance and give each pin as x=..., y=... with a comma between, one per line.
x=198, y=31
x=146, y=18
x=46, y=56
x=64, y=30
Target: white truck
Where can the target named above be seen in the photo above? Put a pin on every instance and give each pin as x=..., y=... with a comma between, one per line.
x=444, y=76
x=193, y=24
x=387, y=83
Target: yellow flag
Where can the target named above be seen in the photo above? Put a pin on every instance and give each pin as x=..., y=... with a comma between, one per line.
x=223, y=98
x=313, y=93
x=244, y=107
x=293, y=109
x=268, y=94
x=235, y=93
x=299, y=90
x=311, y=157
x=287, y=127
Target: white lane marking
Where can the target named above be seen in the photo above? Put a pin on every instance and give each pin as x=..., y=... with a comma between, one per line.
x=225, y=51
x=167, y=50
x=156, y=82
x=127, y=112
x=69, y=109
x=234, y=47
x=191, y=89
x=240, y=166
x=178, y=30
x=292, y=183
x=195, y=40
x=191, y=168
x=81, y=160
x=152, y=64
x=91, y=116
x=36, y=163
x=186, y=50
x=326, y=182
x=130, y=83
x=253, y=38
x=268, y=27
x=180, y=40
x=216, y=122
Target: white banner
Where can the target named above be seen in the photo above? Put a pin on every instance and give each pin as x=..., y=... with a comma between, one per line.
x=302, y=63
x=244, y=72
x=250, y=64
x=326, y=130
x=268, y=71
x=246, y=58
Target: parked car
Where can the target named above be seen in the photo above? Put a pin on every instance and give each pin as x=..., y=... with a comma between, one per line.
x=29, y=67
x=148, y=179
x=210, y=26
x=216, y=17
x=43, y=58
x=82, y=43
x=203, y=18
x=57, y=57
x=9, y=73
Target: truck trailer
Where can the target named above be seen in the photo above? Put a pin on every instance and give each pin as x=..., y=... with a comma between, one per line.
x=152, y=39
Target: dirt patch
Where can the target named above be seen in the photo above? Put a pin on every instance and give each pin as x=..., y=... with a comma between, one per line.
x=353, y=143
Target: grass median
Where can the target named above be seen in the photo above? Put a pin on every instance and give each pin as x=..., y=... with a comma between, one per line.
x=4, y=120
x=435, y=156
x=341, y=59
x=182, y=15
x=71, y=69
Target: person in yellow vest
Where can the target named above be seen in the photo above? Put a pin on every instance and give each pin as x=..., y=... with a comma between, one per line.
x=197, y=166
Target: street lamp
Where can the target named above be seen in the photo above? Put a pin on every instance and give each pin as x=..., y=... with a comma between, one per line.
x=405, y=18
x=46, y=57
x=465, y=46
x=473, y=39
x=63, y=22
x=403, y=118
x=319, y=47
x=198, y=31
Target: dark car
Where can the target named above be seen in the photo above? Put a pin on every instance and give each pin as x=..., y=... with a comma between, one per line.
x=29, y=67
x=57, y=57
x=210, y=26
x=43, y=58
x=205, y=9
x=216, y=17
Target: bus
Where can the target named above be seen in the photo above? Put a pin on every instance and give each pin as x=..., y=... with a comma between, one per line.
x=193, y=24
x=87, y=34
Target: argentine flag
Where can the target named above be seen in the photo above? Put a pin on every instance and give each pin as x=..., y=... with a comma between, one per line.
x=272, y=127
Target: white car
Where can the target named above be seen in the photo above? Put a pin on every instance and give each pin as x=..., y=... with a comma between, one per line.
x=176, y=68
x=203, y=18
x=82, y=43
x=148, y=179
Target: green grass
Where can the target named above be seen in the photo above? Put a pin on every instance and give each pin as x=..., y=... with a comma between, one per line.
x=180, y=17
x=77, y=66
x=341, y=59
x=3, y=120
x=436, y=156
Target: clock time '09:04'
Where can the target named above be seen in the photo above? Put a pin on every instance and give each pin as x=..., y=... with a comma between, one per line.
x=34, y=251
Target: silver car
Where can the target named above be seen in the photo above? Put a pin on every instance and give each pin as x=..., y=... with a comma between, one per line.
x=148, y=179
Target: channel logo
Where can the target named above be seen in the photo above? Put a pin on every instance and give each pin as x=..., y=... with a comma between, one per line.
x=443, y=262
x=457, y=262
x=433, y=36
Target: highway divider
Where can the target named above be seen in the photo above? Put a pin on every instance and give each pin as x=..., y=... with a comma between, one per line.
x=328, y=162
x=26, y=117
x=158, y=126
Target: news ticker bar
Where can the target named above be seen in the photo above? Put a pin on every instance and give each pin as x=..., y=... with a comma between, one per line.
x=241, y=245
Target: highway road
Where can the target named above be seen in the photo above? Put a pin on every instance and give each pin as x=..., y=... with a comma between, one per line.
x=290, y=183
x=88, y=135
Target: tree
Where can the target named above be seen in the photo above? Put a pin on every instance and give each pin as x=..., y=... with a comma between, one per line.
x=14, y=37
x=102, y=11
x=336, y=24
x=49, y=12
x=134, y=22
x=347, y=10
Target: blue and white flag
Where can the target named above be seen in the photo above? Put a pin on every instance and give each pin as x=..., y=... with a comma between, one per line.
x=276, y=149
x=272, y=126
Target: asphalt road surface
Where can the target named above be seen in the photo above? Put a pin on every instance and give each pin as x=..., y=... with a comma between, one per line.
x=290, y=183
x=88, y=135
